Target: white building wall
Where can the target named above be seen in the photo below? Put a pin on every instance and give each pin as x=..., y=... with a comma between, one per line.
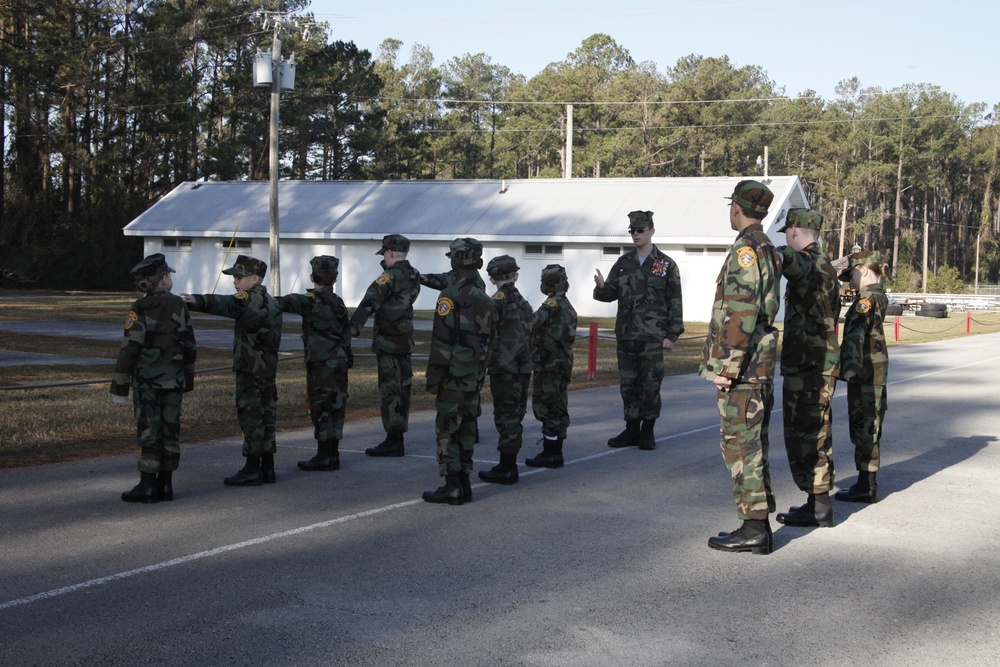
x=198, y=269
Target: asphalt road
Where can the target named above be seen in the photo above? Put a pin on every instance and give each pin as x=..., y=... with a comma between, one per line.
x=603, y=562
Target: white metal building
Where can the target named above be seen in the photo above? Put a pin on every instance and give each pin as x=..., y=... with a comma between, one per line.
x=578, y=223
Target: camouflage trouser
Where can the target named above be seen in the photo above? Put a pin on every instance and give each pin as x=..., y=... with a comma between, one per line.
x=550, y=402
x=326, y=388
x=866, y=406
x=746, y=412
x=256, y=409
x=806, y=402
x=395, y=378
x=455, y=426
x=640, y=369
x=158, y=428
x=510, y=402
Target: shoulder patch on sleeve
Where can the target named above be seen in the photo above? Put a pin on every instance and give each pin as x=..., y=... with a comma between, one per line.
x=383, y=279
x=131, y=319
x=863, y=306
x=551, y=302
x=240, y=294
x=746, y=257
x=499, y=296
x=445, y=306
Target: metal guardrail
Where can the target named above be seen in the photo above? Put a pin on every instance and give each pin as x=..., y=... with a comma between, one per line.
x=953, y=301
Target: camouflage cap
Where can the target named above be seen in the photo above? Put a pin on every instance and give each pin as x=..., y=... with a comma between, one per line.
x=859, y=258
x=395, y=242
x=151, y=266
x=803, y=218
x=640, y=219
x=502, y=267
x=247, y=266
x=465, y=251
x=752, y=195
x=553, y=274
x=324, y=268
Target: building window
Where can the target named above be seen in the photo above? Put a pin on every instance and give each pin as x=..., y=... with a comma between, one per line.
x=543, y=250
x=176, y=244
x=236, y=244
x=610, y=251
x=716, y=250
x=694, y=250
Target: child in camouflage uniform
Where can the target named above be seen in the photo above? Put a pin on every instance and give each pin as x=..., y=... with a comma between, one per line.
x=864, y=366
x=510, y=368
x=326, y=337
x=255, y=362
x=553, y=332
x=390, y=297
x=157, y=361
x=461, y=342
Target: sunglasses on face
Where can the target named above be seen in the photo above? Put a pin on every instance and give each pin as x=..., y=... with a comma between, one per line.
x=637, y=230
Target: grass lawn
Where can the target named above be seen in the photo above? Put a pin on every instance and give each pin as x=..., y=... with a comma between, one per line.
x=56, y=423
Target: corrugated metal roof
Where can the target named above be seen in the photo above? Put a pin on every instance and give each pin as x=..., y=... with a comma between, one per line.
x=687, y=209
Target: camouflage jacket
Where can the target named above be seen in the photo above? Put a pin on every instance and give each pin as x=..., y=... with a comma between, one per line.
x=742, y=340
x=464, y=326
x=812, y=308
x=553, y=332
x=439, y=281
x=158, y=348
x=326, y=333
x=257, y=332
x=391, y=298
x=863, y=351
x=650, y=307
x=512, y=352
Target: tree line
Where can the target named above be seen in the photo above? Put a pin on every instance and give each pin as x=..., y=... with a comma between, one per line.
x=109, y=105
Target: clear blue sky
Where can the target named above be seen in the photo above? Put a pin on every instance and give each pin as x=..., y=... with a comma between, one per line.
x=801, y=44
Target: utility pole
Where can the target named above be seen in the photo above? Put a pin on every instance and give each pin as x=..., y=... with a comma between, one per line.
x=277, y=74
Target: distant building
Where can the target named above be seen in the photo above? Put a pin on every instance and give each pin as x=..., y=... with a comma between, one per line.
x=579, y=223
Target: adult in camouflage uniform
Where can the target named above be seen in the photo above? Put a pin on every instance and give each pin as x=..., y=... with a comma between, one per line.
x=257, y=337
x=864, y=366
x=510, y=367
x=326, y=337
x=739, y=357
x=810, y=360
x=461, y=341
x=553, y=332
x=647, y=286
x=391, y=299
x=156, y=361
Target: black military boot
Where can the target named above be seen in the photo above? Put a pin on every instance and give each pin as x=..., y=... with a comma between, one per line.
x=165, y=485
x=504, y=472
x=550, y=457
x=627, y=438
x=327, y=457
x=267, y=475
x=647, y=440
x=144, y=491
x=817, y=511
x=391, y=446
x=466, y=486
x=249, y=475
x=864, y=491
x=450, y=493
x=753, y=536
